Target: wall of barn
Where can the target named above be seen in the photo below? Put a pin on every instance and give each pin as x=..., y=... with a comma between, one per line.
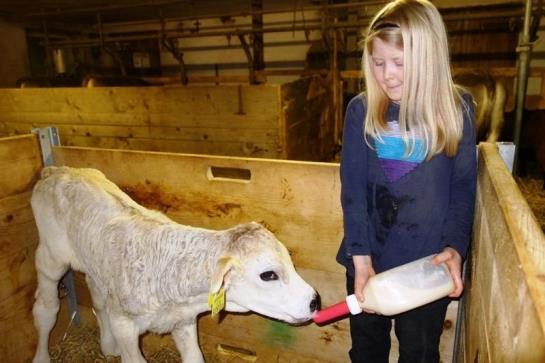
x=490, y=45
x=222, y=55
x=13, y=48
x=288, y=121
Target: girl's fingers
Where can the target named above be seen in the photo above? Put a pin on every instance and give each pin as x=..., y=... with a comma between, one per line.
x=458, y=285
x=441, y=257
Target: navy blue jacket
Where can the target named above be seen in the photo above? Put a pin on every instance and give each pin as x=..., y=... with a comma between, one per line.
x=424, y=211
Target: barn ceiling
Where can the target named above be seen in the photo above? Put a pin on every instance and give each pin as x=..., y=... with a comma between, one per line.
x=85, y=11
x=61, y=18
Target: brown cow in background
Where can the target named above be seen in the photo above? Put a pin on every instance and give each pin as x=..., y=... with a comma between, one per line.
x=490, y=97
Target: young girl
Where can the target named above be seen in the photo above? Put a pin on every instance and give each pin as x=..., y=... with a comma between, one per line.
x=408, y=172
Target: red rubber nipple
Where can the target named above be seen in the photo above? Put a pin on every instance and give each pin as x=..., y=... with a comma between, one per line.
x=332, y=312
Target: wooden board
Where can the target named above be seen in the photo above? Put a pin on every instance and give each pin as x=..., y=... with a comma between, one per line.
x=237, y=120
x=202, y=100
x=20, y=164
x=298, y=201
x=18, y=237
x=268, y=121
x=506, y=297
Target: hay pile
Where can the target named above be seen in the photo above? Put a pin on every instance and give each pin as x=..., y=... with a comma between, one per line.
x=532, y=190
x=81, y=345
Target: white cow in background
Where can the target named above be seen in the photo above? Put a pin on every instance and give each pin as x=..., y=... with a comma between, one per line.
x=148, y=273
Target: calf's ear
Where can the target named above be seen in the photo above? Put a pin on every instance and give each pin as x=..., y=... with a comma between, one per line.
x=224, y=265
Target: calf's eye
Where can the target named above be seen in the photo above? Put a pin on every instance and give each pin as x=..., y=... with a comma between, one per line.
x=269, y=276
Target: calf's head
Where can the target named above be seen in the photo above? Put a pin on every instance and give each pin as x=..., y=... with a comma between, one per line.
x=258, y=275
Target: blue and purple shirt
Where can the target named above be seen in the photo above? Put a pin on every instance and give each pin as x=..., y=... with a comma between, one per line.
x=398, y=207
x=392, y=154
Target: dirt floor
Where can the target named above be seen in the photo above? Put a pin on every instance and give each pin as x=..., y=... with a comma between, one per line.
x=532, y=189
x=82, y=345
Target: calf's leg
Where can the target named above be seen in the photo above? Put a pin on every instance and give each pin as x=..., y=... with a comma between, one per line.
x=126, y=334
x=46, y=306
x=187, y=342
x=108, y=345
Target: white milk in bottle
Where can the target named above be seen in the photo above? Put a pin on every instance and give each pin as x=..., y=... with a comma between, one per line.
x=404, y=288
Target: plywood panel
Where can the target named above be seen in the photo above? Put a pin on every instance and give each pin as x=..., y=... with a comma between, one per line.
x=18, y=238
x=297, y=201
x=267, y=121
x=237, y=120
x=249, y=149
x=216, y=134
x=163, y=119
x=506, y=272
x=18, y=335
x=204, y=100
x=20, y=162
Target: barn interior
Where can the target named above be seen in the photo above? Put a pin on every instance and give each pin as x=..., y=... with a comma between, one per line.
x=246, y=100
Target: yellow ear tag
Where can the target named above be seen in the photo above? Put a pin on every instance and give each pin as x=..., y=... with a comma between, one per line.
x=216, y=301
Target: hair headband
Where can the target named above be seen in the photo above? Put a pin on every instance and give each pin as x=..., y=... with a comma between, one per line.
x=380, y=25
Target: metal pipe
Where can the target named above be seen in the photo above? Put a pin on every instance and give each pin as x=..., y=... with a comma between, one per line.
x=95, y=9
x=237, y=31
x=335, y=81
x=313, y=21
x=209, y=16
x=47, y=45
x=245, y=13
x=524, y=49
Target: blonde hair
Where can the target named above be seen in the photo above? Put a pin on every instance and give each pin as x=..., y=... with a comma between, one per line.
x=430, y=102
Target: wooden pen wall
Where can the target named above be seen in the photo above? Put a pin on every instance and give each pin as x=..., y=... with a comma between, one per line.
x=298, y=201
x=505, y=298
x=20, y=165
x=288, y=121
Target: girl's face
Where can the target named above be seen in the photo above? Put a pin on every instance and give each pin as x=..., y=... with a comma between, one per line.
x=387, y=66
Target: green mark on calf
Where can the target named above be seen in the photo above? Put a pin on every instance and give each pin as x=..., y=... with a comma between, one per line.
x=279, y=334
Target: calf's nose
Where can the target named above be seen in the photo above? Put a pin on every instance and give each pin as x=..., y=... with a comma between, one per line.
x=315, y=303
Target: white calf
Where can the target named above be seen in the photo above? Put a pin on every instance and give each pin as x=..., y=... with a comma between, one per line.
x=148, y=273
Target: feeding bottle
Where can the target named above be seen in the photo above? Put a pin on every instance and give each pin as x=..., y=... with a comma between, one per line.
x=396, y=290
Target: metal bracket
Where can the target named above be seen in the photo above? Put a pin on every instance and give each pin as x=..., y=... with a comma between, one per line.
x=507, y=153
x=49, y=137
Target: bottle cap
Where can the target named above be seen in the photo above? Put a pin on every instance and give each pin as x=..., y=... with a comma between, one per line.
x=353, y=304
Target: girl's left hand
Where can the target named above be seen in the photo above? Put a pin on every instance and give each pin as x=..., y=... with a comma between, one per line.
x=453, y=260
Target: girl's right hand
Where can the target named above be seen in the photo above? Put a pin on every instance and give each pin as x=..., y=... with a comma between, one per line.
x=363, y=271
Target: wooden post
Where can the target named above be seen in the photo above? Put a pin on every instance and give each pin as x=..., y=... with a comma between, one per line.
x=249, y=57
x=257, y=43
x=49, y=66
x=113, y=53
x=524, y=50
x=176, y=52
x=335, y=84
